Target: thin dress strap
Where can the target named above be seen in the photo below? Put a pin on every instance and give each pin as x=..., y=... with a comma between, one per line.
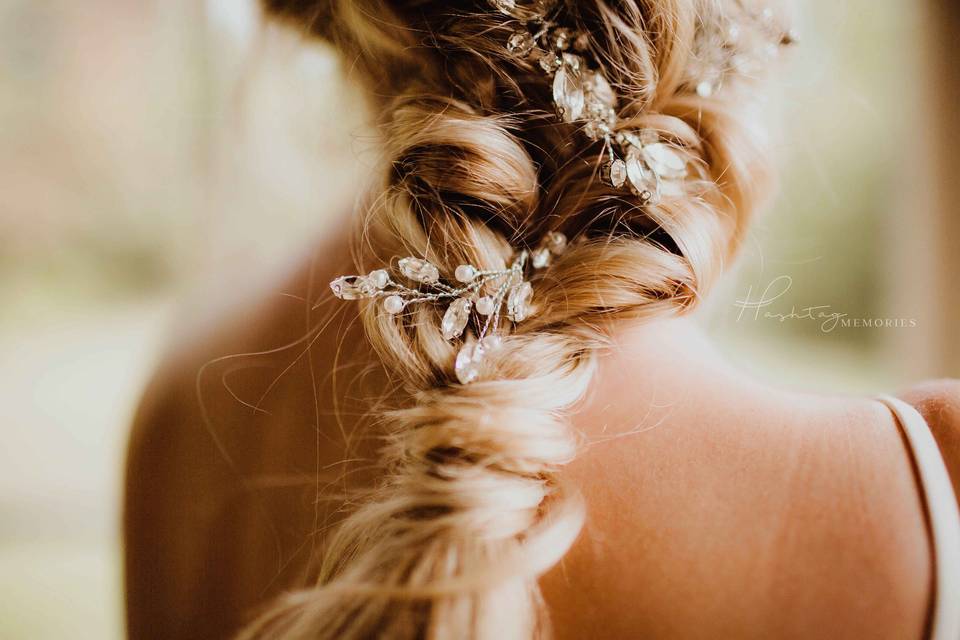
x=942, y=515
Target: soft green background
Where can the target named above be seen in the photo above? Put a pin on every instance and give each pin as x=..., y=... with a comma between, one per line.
x=145, y=145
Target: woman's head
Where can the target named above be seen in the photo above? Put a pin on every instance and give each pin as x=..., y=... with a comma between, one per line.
x=477, y=167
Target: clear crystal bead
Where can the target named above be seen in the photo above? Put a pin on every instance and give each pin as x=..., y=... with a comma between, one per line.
x=568, y=89
x=550, y=62
x=365, y=286
x=344, y=288
x=600, y=89
x=469, y=362
x=614, y=173
x=419, y=270
x=521, y=44
x=541, y=258
x=518, y=302
x=665, y=161
x=456, y=317
x=705, y=89
x=525, y=10
x=556, y=242
x=640, y=177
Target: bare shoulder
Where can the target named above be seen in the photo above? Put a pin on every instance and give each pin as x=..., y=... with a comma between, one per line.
x=719, y=507
x=938, y=401
x=212, y=489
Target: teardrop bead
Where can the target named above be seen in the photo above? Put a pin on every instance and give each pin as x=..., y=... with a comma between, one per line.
x=665, y=161
x=344, y=288
x=518, y=302
x=469, y=362
x=600, y=89
x=614, y=173
x=641, y=179
x=568, y=89
x=456, y=318
x=419, y=270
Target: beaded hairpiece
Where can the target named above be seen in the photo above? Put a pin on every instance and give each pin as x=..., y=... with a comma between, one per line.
x=732, y=37
x=492, y=294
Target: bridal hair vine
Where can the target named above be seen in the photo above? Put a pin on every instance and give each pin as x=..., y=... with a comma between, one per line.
x=732, y=36
x=492, y=294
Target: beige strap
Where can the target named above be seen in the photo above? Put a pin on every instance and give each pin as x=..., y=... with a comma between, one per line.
x=943, y=516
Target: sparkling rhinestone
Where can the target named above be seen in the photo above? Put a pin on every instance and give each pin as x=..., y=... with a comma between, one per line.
x=485, y=305
x=465, y=273
x=419, y=270
x=456, y=317
x=518, y=302
x=593, y=130
x=561, y=39
x=469, y=362
x=556, y=242
x=525, y=10
x=614, y=173
x=379, y=278
x=705, y=89
x=550, y=62
x=641, y=179
x=568, y=89
x=665, y=161
x=521, y=44
x=601, y=89
x=365, y=286
x=344, y=288
x=541, y=258
x=393, y=304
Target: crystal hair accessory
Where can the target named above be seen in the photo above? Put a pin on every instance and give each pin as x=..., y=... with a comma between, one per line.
x=649, y=165
x=735, y=38
x=486, y=295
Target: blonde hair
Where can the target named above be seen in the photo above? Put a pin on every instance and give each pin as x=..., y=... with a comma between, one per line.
x=471, y=510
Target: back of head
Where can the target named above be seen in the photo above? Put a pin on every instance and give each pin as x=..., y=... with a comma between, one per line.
x=478, y=167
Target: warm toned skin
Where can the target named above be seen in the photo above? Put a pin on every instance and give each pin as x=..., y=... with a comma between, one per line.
x=719, y=506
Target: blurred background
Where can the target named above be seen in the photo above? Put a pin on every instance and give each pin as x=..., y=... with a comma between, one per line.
x=153, y=151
